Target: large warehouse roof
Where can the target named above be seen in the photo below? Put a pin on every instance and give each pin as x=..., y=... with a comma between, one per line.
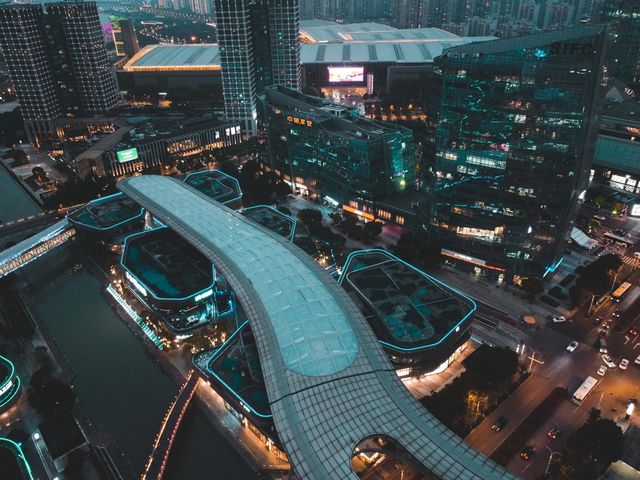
x=323, y=42
x=353, y=392
x=176, y=57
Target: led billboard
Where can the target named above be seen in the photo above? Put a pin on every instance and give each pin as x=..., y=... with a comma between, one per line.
x=346, y=74
x=127, y=155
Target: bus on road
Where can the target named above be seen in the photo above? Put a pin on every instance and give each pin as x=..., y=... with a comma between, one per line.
x=584, y=390
x=620, y=292
x=618, y=240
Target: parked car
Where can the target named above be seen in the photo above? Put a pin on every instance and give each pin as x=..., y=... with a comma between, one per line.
x=572, y=346
x=500, y=424
x=602, y=370
x=559, y=319
x=624, y=363
x=554, y=432
x=608, y=361
x=527, y=452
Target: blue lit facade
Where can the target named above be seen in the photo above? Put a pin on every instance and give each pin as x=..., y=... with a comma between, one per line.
x=173, y=279
x=514, y=147
x=330, y=151
x=10, y=385
x=108, y=217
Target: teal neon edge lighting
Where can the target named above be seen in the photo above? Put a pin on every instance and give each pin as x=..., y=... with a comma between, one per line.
x=220, y=172
x=19, y=454
x=294, y=222
x=420, y=272
x=150, y=290
x=222, y=349
x=100, y=200
x=552, y=268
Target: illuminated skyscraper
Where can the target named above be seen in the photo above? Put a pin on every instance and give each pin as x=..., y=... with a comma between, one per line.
x=249, y=61
x=57, y=60
x=514, y=144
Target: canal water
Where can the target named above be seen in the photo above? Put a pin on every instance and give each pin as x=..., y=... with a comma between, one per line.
x=14, y=202
x=122, y=388
x=119, y=384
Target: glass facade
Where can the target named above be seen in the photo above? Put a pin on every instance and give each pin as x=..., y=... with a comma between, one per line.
x=624, y=16
x=335, y=151
x=514, y=147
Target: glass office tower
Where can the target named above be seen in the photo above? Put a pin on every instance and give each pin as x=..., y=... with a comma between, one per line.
x=328, y=150
x=514, y=147
x=624, y=54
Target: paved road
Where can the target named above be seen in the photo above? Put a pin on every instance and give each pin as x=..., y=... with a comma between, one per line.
x=560, y=369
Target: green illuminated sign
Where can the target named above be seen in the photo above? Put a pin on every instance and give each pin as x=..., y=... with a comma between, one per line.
x=127, y=155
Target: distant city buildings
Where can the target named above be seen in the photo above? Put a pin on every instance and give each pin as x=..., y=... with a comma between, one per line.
x=124, y=37
x=515, y=141
x=244, y=26
x=57, y=61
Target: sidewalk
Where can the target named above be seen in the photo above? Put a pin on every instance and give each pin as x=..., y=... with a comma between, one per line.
x=502, y=297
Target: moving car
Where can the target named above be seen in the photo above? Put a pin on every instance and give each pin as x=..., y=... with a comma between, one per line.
x=608, y=361
x=636, y=254
x=633, y=332
x=572, y=346
x=500, y=424
x=617, y=312
x=597, y=320
x=602, y=370
x=554, y=432
x=624, y=363
x=527, y=452
x=559, y=319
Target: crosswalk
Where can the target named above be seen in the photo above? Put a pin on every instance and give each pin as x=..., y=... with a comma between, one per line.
x=633, y=262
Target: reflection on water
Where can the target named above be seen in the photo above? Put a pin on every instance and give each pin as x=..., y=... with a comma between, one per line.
x=123, y=389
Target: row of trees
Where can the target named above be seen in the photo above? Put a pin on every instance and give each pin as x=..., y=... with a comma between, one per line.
x=489, y=372
x=590, y=450
x=595, y=278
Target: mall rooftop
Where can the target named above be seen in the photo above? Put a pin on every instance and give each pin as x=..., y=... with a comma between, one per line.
x=166, y=264
x=272, y=219
x=328, y=381
x=216, y=185
x=322, y=42
x=411, y=310
x=106, y=213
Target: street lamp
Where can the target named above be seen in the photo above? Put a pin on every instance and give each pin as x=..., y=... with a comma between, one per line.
x=551, y=454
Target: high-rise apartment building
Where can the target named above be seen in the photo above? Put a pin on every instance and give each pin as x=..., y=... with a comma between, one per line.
x=25, y=54
x=514, y=146
x=238, y=67
x=57, y=60
x=93, y=73
x=284, y=26
x=249, y=63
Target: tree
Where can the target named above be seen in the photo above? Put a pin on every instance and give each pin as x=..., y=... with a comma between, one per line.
x=48, y=394
x=532, y=286
x=310, y=216
x=590, y=449
x=371, y=229
x=489, y=367
x=39, y=175
x=19, y=158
